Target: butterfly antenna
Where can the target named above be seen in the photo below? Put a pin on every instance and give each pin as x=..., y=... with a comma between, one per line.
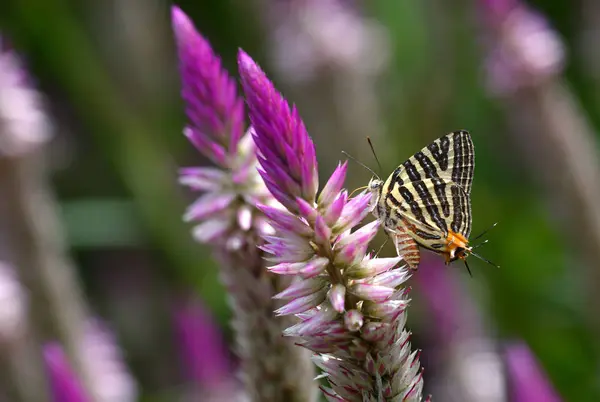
x=374, y=154
x=468, y=269
x=361, y=164
x=483, y=243
x=357, y=189
x=485, y=260
x=381, y=248
x=485, y=231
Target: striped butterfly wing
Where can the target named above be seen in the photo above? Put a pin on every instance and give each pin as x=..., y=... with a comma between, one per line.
x=450, y=158
x=429, y=209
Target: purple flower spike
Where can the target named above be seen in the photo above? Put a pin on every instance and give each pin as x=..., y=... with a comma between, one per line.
x=350, y=305
x=215, y=111
x=237, y=213
x=529, y=383
x=288, y=154
x=333, y=186
x=336, y=297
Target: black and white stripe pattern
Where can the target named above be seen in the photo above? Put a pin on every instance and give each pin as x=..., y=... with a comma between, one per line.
x=429, y=194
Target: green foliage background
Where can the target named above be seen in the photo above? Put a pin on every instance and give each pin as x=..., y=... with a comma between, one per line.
x=119, y=144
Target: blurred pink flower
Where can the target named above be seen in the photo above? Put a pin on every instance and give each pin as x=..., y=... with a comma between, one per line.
x=64, y=384
x=13, y=304
x=201, y=345
x=23, y=123
x=523, y=49
x=527, y=381
x=111, y=381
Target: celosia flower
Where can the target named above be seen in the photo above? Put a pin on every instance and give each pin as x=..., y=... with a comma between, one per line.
x=111, y=381
x=230, y=222
x=351, y=305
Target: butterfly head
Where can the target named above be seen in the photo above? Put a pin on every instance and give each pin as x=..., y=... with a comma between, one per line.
x=458, y=249
x=375, y=186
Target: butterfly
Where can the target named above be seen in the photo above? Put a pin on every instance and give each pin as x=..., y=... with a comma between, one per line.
x=426, y=201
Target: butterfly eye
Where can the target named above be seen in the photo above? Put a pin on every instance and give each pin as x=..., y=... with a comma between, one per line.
x=375, y=184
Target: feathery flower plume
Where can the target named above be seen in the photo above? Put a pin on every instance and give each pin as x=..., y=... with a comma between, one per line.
x=111, y=381
x=351, y=306
x=272, y=367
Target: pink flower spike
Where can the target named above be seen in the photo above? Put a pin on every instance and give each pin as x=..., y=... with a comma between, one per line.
x=287, y=268
x=372, y=266
x=286, y=221
x=353, y=320
x=215, y=112
x=334, y=211
x=354, y=211
x=207, y=205
x=333, y=186
x=210, y=231
x=306, y=210
x=336, y=297
x=301, y=288
x=314, y=267
x=391, y=279
x=330, y=395
x=363, y=235
x=322, y=232
x=385, y=310
x=277, y=130
x=302, y=304
x=319, y=322
x=374, y=331
x=371, y=292
x=201, y=179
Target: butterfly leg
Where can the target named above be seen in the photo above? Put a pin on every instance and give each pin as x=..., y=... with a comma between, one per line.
x=406, y=247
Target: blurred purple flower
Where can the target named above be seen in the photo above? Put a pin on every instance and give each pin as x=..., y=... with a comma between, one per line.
x=111, y=381
x=13, y=305
x=351, y=306
x=23, y=123
x=527, y=380
x=524, y=50
x=231, y=223
x=202, y=348
x=313, y=37
x=64, y=384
